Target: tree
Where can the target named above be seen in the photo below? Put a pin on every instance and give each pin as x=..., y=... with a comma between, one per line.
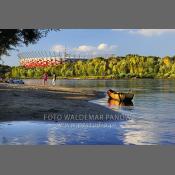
x=11, y=38
x=30, y=73
x=4, y=70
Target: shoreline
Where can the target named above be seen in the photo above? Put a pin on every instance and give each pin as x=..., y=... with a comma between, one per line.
x=93, y=79
x=31, y=102
x=100, y=78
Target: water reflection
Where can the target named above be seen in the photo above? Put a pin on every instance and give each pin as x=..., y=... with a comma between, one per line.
x=52, y=136
x=139, y=133
x=112, y=102
x=53, y=133
x=135, y=131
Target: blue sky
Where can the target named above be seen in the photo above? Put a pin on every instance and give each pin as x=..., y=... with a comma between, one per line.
x=158, y=42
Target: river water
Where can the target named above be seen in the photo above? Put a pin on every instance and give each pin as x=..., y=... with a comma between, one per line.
x=152, y=118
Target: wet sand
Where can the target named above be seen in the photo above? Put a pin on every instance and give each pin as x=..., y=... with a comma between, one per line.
x=31, y=102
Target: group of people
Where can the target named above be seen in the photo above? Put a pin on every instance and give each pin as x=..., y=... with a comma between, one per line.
x=45, y=78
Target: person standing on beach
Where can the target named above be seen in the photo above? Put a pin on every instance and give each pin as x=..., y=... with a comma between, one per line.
x=45, y=77
x=54, y=80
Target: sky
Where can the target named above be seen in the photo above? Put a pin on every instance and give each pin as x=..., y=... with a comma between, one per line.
x=155, y=42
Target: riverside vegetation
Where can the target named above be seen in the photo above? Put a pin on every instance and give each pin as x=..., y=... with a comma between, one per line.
x=130, y=66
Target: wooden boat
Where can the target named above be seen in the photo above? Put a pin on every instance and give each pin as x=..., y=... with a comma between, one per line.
x=120, y=96
x=113, y=102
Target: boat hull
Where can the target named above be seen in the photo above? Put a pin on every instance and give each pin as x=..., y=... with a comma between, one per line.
x=113, y=102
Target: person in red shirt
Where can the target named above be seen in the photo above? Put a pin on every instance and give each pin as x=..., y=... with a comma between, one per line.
x=45, y=77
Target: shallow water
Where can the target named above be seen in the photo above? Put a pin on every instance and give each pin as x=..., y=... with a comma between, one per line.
x=152, y=118
x=54, y=133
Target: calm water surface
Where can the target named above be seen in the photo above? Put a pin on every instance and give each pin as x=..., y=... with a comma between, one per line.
x=152, y=118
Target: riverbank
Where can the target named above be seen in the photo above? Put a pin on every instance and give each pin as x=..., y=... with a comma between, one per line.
x=93, y=78
x=31, y=102
x=101, y=78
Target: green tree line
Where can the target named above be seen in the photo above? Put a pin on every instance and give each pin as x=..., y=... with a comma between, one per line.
x=130, y=66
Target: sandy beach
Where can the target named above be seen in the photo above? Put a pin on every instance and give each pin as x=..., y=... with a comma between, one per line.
x=31, y=102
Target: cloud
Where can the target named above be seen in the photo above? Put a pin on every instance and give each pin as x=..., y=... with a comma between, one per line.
x=153, y=32
x=120, y=30
x=99, y=49
x=102, y=48
x=58, y=48
x=147, y=32
x=84, y=48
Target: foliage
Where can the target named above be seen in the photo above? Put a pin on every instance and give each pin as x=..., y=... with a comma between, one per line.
x=5, y=71
x=130, y=66
x=11, y=38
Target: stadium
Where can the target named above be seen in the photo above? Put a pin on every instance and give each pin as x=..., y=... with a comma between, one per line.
x=46, y=58
x=50, y=58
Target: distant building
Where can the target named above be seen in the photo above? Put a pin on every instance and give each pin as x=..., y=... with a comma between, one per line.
x=44, y=59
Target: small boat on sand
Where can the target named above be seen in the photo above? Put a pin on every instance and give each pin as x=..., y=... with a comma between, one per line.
x=120, y=96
